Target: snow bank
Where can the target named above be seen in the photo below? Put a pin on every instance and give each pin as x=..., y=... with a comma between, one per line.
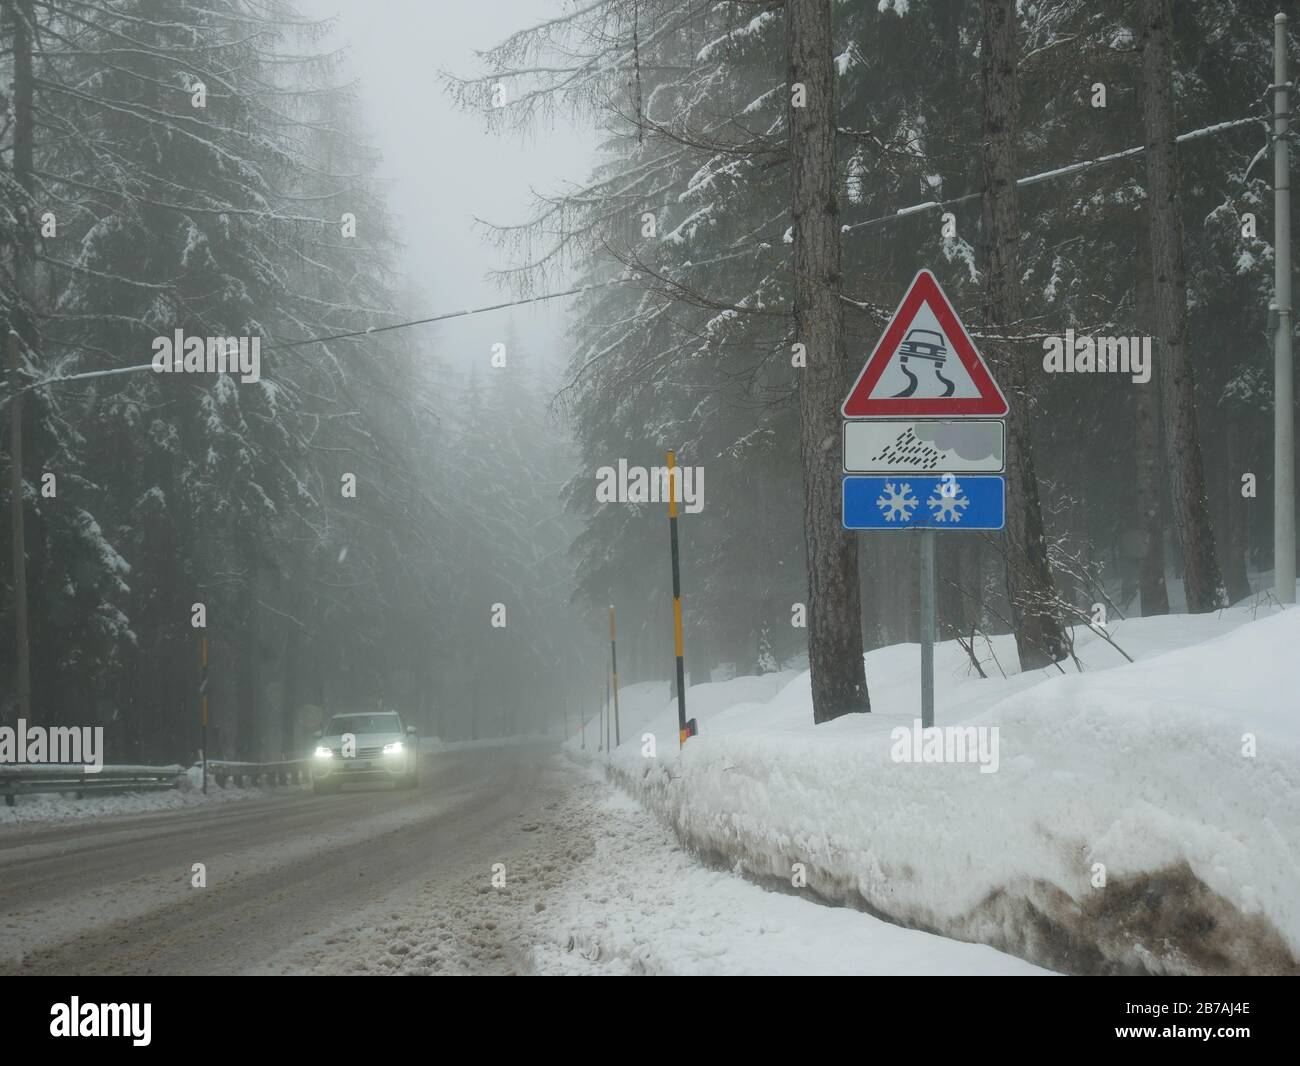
x=64, y=807
x=1141, y=774
x=640, y=905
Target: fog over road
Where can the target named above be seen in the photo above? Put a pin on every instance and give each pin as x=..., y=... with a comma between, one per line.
x=291, y=880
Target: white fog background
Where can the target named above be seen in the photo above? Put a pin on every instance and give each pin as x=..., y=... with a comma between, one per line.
x=440, y=167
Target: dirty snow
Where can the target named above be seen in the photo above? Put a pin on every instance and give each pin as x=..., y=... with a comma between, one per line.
x=65, y=807
x=1136, y=767
x=593, y=884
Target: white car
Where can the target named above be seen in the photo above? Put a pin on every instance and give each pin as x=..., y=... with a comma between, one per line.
x=365, y=746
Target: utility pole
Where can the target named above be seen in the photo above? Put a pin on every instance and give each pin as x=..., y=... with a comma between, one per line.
x=22, y=645
x=1283, y=388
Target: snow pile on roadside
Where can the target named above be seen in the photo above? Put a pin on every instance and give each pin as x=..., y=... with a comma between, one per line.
x=65, y=807
x=640, y=905
x=591, y=883
x=1135, y=768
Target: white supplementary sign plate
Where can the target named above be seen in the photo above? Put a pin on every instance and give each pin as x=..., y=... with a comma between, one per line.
x=925, y=445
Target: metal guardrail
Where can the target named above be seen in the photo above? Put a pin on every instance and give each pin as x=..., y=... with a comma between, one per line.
x=20, y=779
x=16, y=779
x=72, y=777
x=290, y=771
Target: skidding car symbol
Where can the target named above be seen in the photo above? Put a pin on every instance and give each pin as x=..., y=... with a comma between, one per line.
x=924, y=344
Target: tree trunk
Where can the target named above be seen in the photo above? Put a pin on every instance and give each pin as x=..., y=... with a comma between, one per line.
x=250, y=648
x=291, y=694
x=19, y=16
x=1183, y=468
x=22, y=22
x=839, y=683
x=1039, y=638
x=1146, y=445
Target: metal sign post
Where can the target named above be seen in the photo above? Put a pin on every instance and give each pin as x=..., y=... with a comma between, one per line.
x=934, y=447
x=927, y=628
x=1283, y=387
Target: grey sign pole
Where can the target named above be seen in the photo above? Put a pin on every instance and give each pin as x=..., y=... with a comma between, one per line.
x=1283, y=394
x=927, y=628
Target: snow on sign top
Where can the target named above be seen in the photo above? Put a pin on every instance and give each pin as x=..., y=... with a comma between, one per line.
x=924, y=364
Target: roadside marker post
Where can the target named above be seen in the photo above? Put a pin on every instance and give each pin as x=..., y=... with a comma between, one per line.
x=925, y=441
x=203, y=706
x=613, y=659
x=684, y=728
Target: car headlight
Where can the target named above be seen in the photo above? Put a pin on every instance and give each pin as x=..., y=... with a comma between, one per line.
x=323, y=752
x=395, y=748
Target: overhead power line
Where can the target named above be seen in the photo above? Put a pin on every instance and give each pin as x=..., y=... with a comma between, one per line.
x=351, y=334
x=1048, y=175
x=902, y=212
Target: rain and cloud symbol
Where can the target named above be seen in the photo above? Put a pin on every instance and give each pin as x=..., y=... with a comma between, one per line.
x=937, y=444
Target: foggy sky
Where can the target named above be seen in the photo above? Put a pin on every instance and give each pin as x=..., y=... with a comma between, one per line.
x=440, y=167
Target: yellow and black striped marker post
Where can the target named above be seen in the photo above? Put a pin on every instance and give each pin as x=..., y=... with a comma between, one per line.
x=684, y=729
x=203, y=706
x=613, y=661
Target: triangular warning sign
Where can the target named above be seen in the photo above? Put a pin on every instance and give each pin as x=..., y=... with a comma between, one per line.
x=925, y=364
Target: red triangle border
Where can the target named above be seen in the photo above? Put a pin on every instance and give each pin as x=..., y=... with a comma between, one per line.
x=924, y=289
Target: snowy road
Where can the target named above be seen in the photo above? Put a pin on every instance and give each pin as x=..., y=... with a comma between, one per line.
x=114, y=896
x=505, y=860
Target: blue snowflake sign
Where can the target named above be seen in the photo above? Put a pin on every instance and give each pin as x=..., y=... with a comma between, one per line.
x=949, y=501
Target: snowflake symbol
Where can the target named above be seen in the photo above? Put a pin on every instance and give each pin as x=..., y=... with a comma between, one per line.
x=945, y=506
x=897, y=502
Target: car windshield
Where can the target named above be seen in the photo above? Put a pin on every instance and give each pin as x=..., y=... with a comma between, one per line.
x=363, y=723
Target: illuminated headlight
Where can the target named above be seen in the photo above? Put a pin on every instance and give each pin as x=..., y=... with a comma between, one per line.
x=395, y=748
x=323, y=752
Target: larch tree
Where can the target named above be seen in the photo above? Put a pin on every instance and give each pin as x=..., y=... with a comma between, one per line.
x=839, y=684
x=1039, y=637
x=1190, y=510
